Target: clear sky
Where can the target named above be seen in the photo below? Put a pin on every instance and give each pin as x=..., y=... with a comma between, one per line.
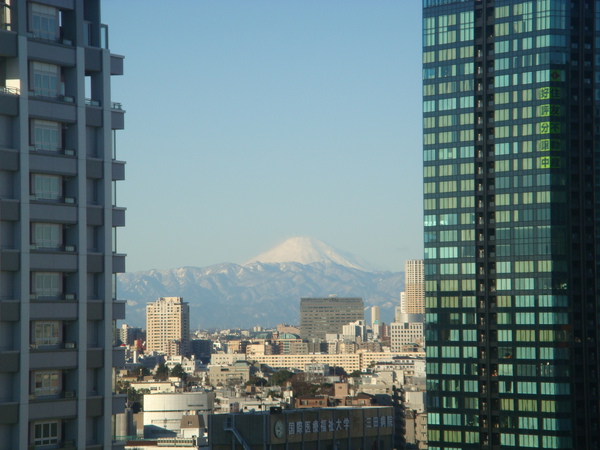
x=251, y=121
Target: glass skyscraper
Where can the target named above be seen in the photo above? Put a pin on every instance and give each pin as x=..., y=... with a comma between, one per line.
x=512, y=211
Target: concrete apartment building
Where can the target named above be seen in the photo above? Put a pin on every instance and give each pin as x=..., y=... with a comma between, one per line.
x=168, y=326
x=320, y=316
x=58, y=168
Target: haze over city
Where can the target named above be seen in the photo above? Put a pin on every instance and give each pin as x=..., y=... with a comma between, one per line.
x=252, y=122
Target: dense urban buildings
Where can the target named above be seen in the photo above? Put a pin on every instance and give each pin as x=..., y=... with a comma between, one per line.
x=511, y=203
x=319, y=316
x=168, y=326
x=58, y=221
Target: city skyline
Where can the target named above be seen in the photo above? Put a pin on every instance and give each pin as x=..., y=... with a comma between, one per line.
x=262, y=121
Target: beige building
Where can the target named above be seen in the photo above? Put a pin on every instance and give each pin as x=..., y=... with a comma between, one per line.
x=414, y=298
x=349, y=362
x=168, y=326
x=408, y=333
x=237, y=373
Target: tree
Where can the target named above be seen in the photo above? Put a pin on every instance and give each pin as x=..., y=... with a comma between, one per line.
x=255, y=381
x=280, y=377
x=162, y=373
x=140, y=372
x=355, y=374
x=177, y=371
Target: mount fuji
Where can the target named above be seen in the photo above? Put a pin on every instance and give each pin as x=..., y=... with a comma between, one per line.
x=306, y=250
x=267, y=289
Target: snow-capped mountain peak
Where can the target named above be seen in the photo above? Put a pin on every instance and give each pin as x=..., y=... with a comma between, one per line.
x=307, y=250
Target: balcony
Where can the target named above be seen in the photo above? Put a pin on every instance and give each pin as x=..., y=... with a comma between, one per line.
x=44, y=248
x=9, y=310
x=9, y=105
x=9, y=413
x=53, y=397
x=54, y=409
x=53, y=106
x=53, y=358
x=57, y=151
x=117, y=116
x=49, y=297
x=51, y=310
x=10, y=90
x=9, y=361
x=57, y=260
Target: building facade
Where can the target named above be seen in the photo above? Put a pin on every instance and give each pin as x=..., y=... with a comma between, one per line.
x=58, y=219
x=408, y=333
x=168, y=326
x=511, y=201
x=320, y=316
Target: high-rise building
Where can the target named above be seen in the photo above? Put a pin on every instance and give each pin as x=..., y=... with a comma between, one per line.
x=168, y=326
x=375, y=315
x=320, y=316
x=407, y=331
x=414, y=287
x=512, y=175
x=58, y=259
x=375, y=321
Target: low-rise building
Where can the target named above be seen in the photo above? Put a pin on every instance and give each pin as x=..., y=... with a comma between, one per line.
x=163, y=412
x=368, y=427
x=231, y=375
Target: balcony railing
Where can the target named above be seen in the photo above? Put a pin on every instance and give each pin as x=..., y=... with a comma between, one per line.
x=52, y=96
x=10, y=90
x=117, y=105
x=68, y=248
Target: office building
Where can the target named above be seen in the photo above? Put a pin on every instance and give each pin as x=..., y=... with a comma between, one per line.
x=408, y=334
x=168, y=326
x=58, y=168
x=320, y=316
x=511, y=186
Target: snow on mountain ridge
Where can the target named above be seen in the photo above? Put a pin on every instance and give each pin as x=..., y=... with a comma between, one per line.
x=307, y=250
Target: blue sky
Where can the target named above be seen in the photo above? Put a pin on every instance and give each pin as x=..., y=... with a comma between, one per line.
x=251, y=121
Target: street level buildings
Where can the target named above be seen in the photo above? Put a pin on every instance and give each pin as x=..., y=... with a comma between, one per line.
x=58, y=222
x=511, y=182
x=168, y=326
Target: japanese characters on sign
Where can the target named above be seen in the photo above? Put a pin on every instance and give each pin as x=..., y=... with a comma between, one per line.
x=328, y=425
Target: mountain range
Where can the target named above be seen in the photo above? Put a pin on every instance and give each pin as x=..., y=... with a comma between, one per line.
x=266, y=290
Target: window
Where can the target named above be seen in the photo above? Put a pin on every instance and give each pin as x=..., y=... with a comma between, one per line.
x=45, y=382
x=44, y=21
x=45, y=79
x=45, y=433
x=46, y=235
x=46, y=135
x=47, y=284
x=47, y=187
x=45, y=333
